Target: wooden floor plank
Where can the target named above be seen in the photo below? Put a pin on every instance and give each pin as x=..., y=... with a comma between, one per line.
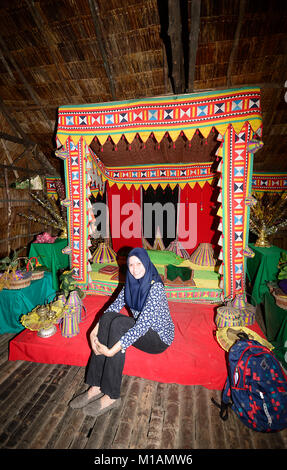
x=128, y=414
x=34, y=414
x=57, y=404
x=186, y=428
x=154, y=434
x=169, y=438
x=104, y=429
x=141, y=424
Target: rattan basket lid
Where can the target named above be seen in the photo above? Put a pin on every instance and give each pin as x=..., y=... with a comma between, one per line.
x=227, y=336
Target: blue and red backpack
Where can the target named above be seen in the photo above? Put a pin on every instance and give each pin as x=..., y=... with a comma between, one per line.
x=256, y=387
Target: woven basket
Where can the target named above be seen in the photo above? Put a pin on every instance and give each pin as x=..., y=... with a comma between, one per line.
x=248, y=314
x=226, y=337
x=228, y=316
x=35, y=274
x=20, y=283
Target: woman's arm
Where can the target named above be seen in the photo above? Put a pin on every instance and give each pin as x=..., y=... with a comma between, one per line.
x=108, y=352
x=116, y=306
x=146, y=318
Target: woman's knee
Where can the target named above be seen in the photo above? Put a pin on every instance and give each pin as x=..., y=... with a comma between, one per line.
x=120, y=325
x=106, y=318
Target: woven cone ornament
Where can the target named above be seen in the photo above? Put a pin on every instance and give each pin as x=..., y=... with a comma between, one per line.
x=158, y=243
x=75, y=303
x=177, y=248
x=203, y=255
x=70, y=323
x=239, y=301
x=146, y=244
x=104, y=254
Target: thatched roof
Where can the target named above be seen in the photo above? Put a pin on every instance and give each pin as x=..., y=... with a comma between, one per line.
x=57, y=52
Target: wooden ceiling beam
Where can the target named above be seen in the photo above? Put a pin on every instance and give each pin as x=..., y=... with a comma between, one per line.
x=242, y=6
x=36, y=171
x=24, y=140
x=193, y=41
x=7, y=153
x=174, y=32
x=13, y=123
x=16, y=140
x=39, y=155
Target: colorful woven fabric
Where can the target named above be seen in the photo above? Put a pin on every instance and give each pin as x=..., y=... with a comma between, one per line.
x=271, y=182
x=236, y=186
x=155, y=175
x=172, y=114
x=51, y=186
x=203, y=255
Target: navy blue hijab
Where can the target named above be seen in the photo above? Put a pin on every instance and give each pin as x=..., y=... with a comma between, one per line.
x=136, y=290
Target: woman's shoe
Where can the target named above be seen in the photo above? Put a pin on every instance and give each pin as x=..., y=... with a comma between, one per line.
x=83, y=400
x=94, y=409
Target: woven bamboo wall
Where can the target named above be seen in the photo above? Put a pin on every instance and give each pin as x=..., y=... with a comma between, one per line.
x=61, y=52
x=16, y=232
x=57, y=52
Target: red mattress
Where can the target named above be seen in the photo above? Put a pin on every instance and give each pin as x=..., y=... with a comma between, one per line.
x=194, y=358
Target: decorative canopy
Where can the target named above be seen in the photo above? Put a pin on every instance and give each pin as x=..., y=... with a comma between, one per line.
x=236, y=116
x=172, y=114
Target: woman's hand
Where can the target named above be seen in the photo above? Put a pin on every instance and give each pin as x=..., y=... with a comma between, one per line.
x=94, y=337
x=102, y=349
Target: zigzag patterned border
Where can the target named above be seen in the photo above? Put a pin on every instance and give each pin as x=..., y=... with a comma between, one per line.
x=174, y=114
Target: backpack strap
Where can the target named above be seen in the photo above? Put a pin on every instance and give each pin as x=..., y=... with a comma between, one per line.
x=223, y=409
x=243, y=335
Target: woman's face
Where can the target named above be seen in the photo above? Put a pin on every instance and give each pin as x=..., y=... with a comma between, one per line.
x=136, y=268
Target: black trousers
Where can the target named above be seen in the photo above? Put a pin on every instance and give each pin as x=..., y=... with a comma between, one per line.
x=106, y=372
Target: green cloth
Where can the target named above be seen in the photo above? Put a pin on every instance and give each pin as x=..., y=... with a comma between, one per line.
x=51, y=256
x=276, y=327
x=17, y=302
x=262, y=268
x=173, y=271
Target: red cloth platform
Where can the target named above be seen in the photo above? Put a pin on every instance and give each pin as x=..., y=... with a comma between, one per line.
x=194, y=358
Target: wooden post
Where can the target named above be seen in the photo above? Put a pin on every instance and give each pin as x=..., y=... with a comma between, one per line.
x=174, y=32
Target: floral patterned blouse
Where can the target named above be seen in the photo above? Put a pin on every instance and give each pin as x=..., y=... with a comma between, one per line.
x=155, y=315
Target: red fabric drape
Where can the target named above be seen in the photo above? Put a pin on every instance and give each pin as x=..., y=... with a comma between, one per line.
x=125, y=216
x=194, y=358
x=196, y=224
x=201, y=229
